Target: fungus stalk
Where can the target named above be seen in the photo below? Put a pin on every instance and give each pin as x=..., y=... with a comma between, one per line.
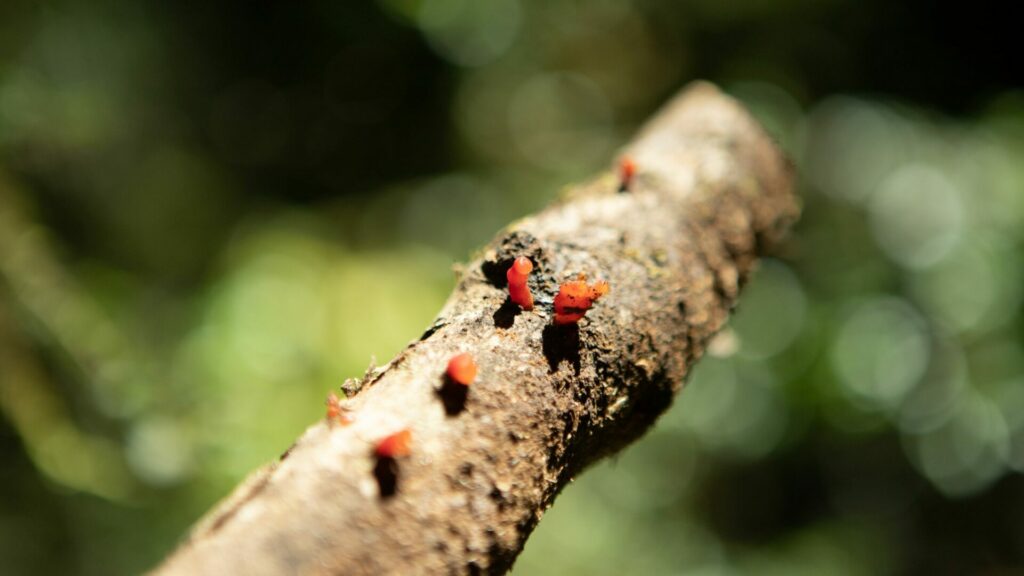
x=517, y=275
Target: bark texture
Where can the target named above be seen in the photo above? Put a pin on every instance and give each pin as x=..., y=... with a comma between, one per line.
x=711, y=193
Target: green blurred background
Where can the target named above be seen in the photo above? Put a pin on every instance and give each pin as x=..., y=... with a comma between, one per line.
x=213, y=213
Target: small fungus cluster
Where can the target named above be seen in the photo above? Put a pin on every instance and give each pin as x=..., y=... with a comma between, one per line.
x=336, y=412
x=575, y=298
x=571, y=303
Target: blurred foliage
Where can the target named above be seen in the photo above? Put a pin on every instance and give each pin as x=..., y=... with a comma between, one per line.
x=210, y=215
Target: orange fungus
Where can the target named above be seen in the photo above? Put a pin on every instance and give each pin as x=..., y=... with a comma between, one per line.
x=517, y=274
x=462, y=368
x=396, y=445
x=335, y=411
x=627, y=169
x=575, y=298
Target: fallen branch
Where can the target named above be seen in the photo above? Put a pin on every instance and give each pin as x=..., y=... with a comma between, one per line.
x=711, y=192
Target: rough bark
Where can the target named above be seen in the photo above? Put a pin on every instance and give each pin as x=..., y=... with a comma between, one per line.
x=712, y=192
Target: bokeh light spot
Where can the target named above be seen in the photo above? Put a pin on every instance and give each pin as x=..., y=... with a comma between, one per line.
x=772, y=313
x=468, y=32
x=917, y=216
x=159, y=451
x=881, y=352
x=561, y=121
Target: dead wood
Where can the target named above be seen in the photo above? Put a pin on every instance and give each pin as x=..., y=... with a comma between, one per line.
x=711, y=193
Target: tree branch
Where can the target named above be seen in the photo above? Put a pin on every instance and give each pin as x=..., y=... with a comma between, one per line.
x=711, y=192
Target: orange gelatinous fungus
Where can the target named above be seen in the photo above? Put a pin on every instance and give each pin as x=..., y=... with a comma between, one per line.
x=517, y=274
x=395, y=445
x=335, y=411
x=462, y=368
x=627, y=169
x=575, y=298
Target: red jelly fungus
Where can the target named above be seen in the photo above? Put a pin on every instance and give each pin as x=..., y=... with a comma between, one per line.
x=518, y=291
x=335, y=411
x=575, y=298
x=462, y=368
x=627, y=169
x=395, y=446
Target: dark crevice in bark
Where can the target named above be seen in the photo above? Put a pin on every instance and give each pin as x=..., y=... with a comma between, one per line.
x=562, y=344
x=386, y=471
x=505, y=316
x=453, y=395
x=516, y=243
